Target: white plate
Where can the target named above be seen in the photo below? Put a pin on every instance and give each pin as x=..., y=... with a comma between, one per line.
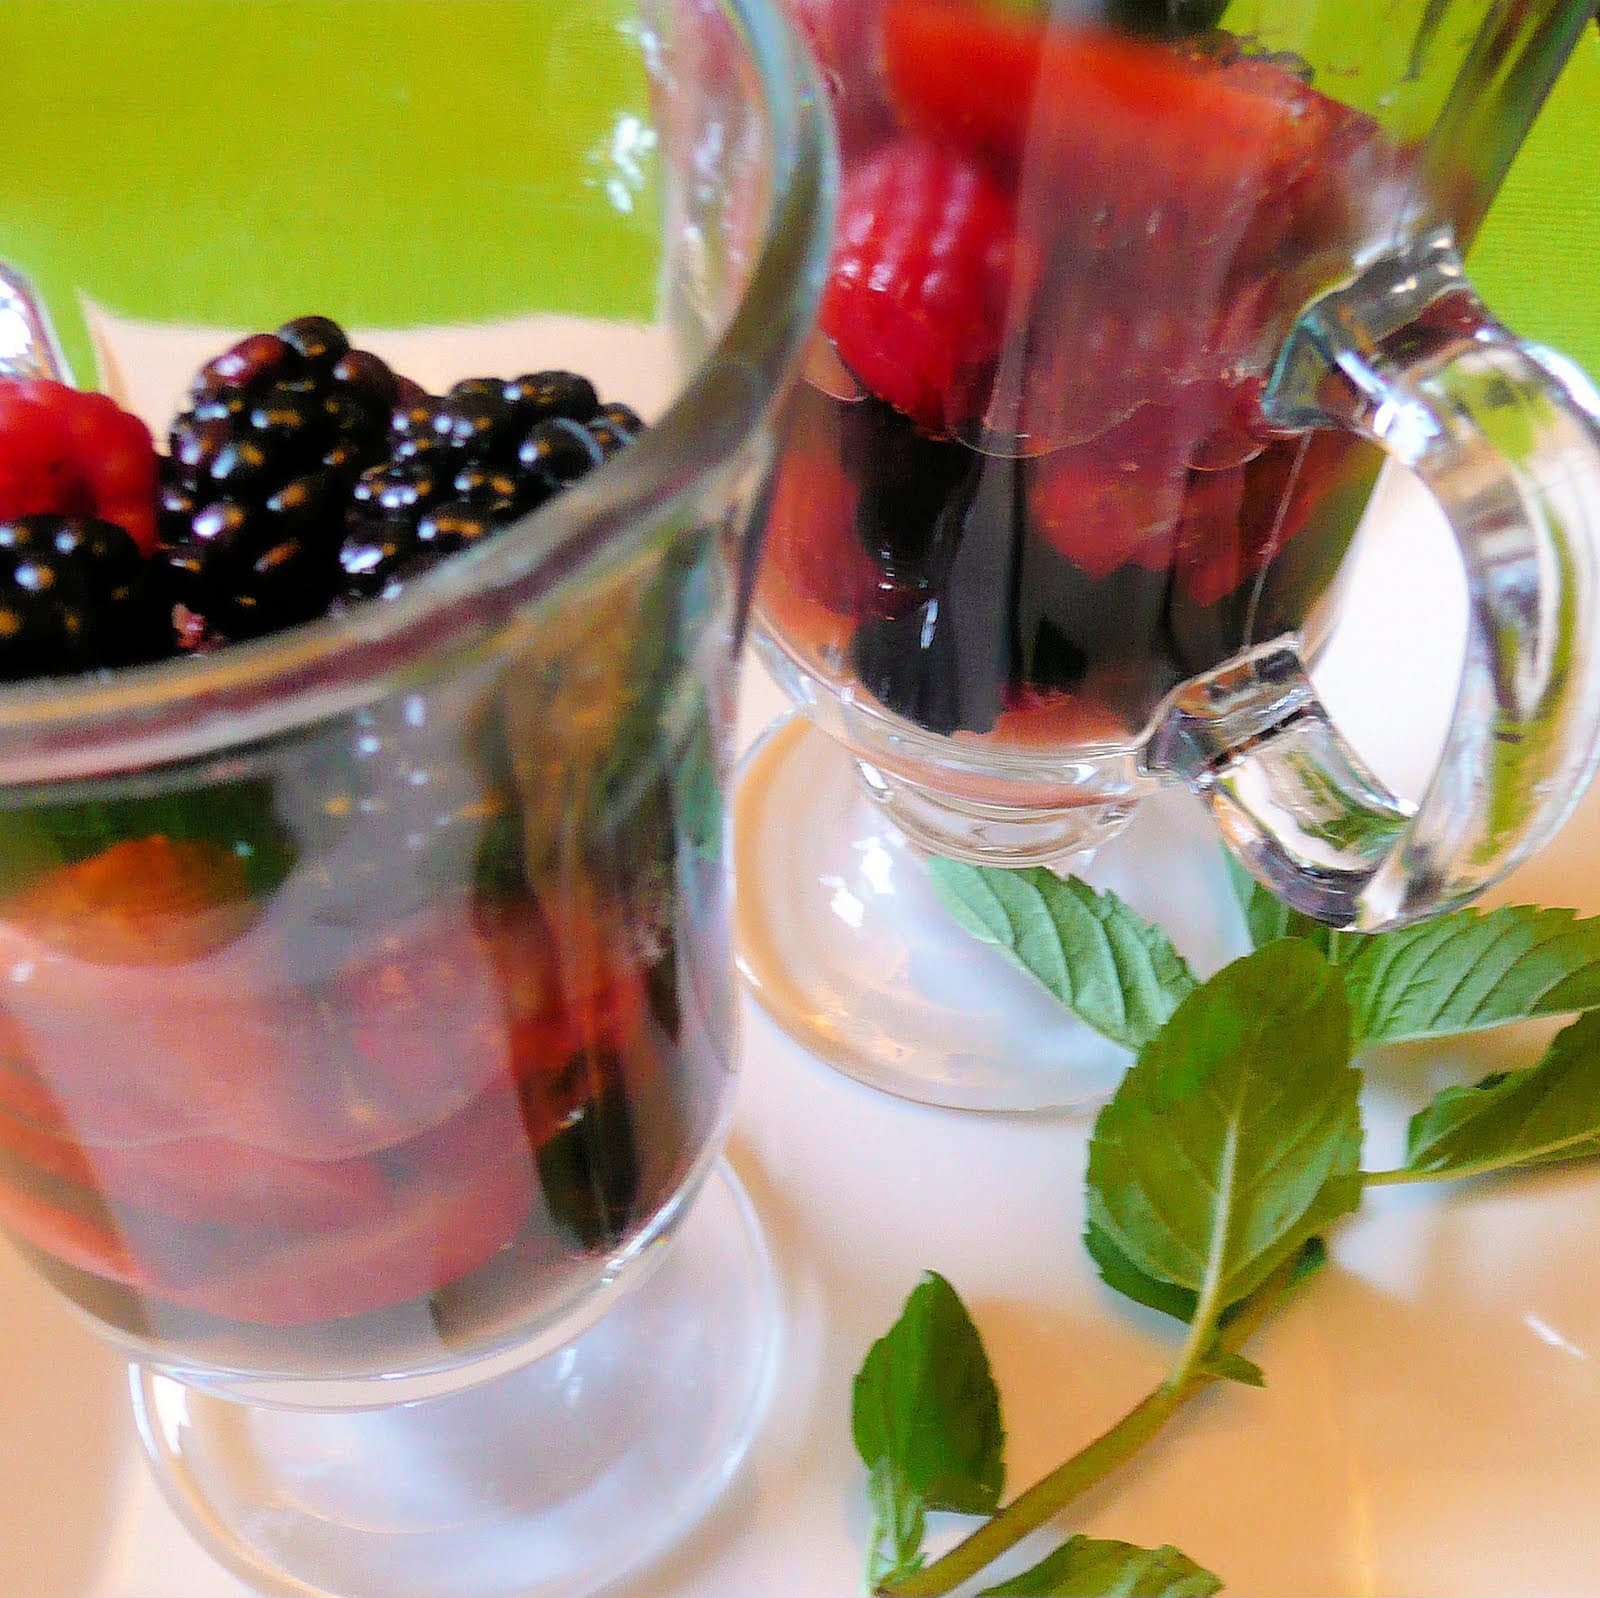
x=1431, y=1423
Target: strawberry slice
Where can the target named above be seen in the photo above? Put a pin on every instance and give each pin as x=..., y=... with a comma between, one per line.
x=1115, y=121
x=917, y=292
x=145, y=901
x=66, y=452
x=1160, y=486
x=208, y=1180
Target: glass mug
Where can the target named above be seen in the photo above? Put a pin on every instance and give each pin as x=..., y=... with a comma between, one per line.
x=1128, y=304
x=367, y=1039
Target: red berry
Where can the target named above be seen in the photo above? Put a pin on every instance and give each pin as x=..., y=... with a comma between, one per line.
x=64, y=452
x=1113, y=122
x=916, y=296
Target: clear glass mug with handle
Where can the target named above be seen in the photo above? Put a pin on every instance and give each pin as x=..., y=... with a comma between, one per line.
x=1128, y=304
x=368, y=1037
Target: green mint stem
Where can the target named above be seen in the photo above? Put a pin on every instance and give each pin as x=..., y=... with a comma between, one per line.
x=1045, y=1498
x=1051, y=1494
x=1547, y=1154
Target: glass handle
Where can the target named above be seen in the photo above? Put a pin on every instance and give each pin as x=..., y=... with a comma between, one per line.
x=1506, y=436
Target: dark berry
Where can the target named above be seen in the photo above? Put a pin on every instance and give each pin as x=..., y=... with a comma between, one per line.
x=352, y=416
x=289, y=419
x=474, y=417
x=539, y=396
x=242, y=466
x=401, y=487
x=318, y=341
x=222, y=406
x=454, y=526
x=309, y=499
x=261, y=357
x=368, y=377
x=908, y=664
x=407, y=391
x=374, y=552
x=413, y=415
x=488, y=485
x=947, y=663
x=196, y=444
x=622, y=417
x=75, y=594
x=560, y=450
x=608, y=436
x=913, y=489
x=346, y=456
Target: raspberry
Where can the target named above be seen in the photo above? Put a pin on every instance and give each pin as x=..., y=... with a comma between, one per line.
x=68, y=453
x=75, y=594
x=916, y=295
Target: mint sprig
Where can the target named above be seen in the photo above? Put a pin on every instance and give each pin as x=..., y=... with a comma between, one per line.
x=1231, y=1146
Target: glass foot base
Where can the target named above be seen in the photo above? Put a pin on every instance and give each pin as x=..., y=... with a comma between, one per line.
x=550, y=1482
x=841, y=937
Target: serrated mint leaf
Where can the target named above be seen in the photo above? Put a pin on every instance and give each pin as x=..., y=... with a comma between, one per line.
x=1120, y=1274
x=925, y=1402
x=1538, y=1116
x=1237, y=1133
x=1471, y=969
x=1106, y=963
x=1267, y=918
x=899, y=1523
x=1095, y=1567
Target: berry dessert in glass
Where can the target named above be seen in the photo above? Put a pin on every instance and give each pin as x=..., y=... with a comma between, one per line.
x=367, y=1039
x=1126, y=305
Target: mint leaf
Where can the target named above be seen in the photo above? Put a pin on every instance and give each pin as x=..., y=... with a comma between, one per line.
x=1121, y=1275
x=1472, y=969
x=1338, y=1197
x=1234, y=1137
x=1231, y=1367
x=1105, y=962
x=1093, y=1567
x=1538, y=1116
x=925, y=1404
x=899, y=1523
x=1267, y=918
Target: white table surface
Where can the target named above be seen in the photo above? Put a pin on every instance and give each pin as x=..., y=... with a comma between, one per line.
x=1432, y=1419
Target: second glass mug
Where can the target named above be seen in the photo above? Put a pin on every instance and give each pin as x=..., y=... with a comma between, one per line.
x=367, y=1042
x=1128, y=304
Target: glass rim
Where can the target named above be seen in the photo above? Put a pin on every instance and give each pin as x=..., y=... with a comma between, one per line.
x=134, y=718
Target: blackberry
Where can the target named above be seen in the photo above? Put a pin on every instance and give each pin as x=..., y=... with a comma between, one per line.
x=914, y=491
x=460, y=467
x=559, y=451
x=946, y=663
x=540, y=396
x=254, y=493
x=317, y=340
x=76, y=594
x=621, y=417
